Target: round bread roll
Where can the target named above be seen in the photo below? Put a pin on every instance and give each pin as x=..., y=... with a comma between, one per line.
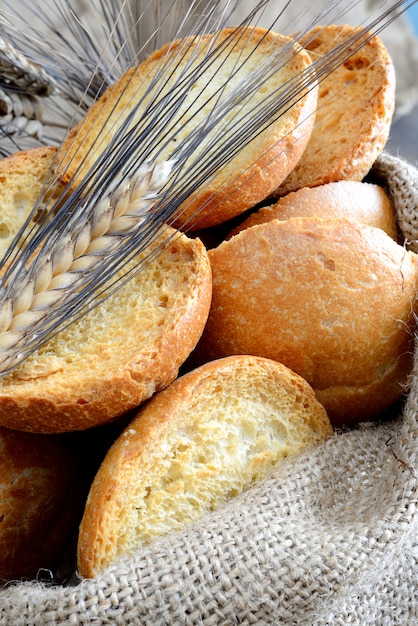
x=354, y=112
x=353, y=200
x=333, y=300
x=214, y=67
x=124, y=350
x=41, y=498
x=198, y=443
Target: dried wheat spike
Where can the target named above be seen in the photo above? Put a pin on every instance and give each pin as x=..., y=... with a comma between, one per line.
x=22, y=72
x=55, y=276
x=27, y=315
x=20, y=113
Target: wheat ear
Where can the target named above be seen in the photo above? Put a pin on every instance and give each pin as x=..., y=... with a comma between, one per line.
x=57, y=274
x=21, y=71
x=20, y=113
x=48, y=271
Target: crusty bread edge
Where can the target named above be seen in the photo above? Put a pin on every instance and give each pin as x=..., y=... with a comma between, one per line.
x=358, y=163
x=123, y=389
x=215, y=204
x=154, y=418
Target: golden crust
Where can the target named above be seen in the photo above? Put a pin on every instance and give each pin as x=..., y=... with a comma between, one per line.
x=354, y=113
x=41, y=498
x=352, y=200
x=119, y=354
x=332, y=300
x=83, y=377
x=251, y=176
x=205, y=438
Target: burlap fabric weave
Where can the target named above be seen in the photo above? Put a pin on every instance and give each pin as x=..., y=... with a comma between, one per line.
x=330, y=538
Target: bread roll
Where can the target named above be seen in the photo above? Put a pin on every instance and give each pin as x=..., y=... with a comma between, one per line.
x=352, y=200
x=121, y=352
x=260, y=164
x=333, y=300
x=22, y=177
x=354, y=113
x=41, y=498
x=201, y=441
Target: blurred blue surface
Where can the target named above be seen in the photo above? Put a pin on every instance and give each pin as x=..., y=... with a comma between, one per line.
x=403, y=140
x=413, y=16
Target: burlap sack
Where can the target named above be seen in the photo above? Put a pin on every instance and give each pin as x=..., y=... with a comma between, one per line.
x=330, y=538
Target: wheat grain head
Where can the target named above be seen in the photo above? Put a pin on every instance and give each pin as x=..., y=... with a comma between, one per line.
x=67, y=259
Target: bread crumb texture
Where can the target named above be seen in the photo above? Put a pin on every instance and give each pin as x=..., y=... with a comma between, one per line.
x=202, y=441
x=119, y=354
x=22, y=177
x=262, y=162
x=124, y=350
x=354, y=113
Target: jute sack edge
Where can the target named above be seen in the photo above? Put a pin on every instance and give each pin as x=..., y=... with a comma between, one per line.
x=329, y=538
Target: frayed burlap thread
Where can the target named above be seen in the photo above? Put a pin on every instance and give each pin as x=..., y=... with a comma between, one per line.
x=330, y=539
x=399, y=178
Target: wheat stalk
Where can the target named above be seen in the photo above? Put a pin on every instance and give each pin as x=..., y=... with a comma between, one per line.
x=56, y=274
x=25, y=88
x=78, y=248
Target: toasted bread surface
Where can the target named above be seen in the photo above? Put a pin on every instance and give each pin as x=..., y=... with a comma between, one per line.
x=207, y=437
x=352, y=200
x=259, y=165
x=355, y=108
x=331, y=299
x=22, y=177
x=121, y=352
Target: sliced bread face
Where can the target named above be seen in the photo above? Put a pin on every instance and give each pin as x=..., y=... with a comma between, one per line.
x=121, y=352
x=194, y=76
x=207, y=437
x=354, y=113
x=22, y=178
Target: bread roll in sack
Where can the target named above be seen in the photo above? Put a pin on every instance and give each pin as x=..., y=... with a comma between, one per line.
x=259, y=166
x=120, y=353
x=203, y=440
x=42, y=492
x=363, y=202
x=331, y=299
x=344, y=511
x=354, y=113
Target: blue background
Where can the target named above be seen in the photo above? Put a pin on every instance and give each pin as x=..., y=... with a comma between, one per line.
x=413, y=16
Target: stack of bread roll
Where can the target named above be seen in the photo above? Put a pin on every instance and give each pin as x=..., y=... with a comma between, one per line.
x=291, y=320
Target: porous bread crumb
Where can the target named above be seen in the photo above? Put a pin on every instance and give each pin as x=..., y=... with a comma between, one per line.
x=354, y=112
x=124, y=350
x=234, y=76
x=204, y=440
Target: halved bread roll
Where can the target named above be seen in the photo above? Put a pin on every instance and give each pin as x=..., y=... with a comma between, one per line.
x=333, y=300
x=22, y=177
x=213, y=69
x=42, y=492
x=201, y=441
x=120, y=353
x=355, y=108
x=363, y=202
